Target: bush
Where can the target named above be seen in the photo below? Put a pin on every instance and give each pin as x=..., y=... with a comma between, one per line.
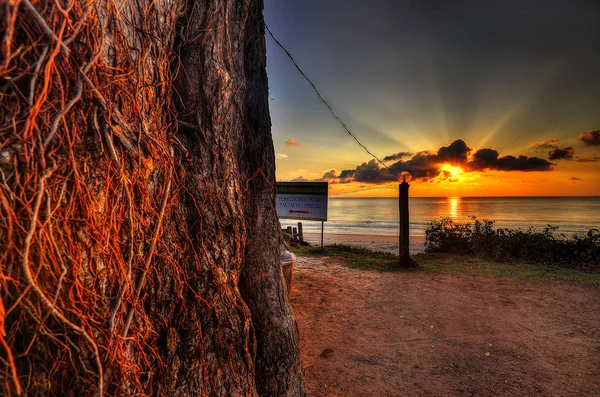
x=547, y=247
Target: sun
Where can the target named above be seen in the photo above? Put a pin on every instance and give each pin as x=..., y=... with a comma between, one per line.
x=457, y=171
x=451, y=170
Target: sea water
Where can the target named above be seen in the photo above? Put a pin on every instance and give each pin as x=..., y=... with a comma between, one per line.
x=379, y=216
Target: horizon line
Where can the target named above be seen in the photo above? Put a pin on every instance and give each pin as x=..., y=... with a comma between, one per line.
x=393, y=197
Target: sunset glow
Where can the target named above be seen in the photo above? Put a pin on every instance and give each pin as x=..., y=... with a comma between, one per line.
x=452, y=171
x=488, y=120
x=457, y=169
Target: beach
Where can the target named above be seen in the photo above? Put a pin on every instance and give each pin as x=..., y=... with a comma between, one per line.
x=371, y=333
x=372, y=242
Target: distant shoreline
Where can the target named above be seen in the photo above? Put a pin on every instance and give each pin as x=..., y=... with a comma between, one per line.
x=462, y=197
x=370, y=241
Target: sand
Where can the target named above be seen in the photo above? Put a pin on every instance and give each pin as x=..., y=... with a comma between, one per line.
x=373, y=242
x=369, y=333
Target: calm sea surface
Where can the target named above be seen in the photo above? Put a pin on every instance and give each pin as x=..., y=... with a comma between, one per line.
x=379, y=216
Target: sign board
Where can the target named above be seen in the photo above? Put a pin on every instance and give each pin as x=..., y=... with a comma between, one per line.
x=302, y=200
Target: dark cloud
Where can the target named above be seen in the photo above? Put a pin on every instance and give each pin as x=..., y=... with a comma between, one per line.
x=489, y=159
x=332, y=176
x=423, y=165
x=455, y=153
x=545, y=145
x=397, y=156
x=347, y=174
x=574, y=179
x=329, y=175
x=299, y=179
x=590, y=138
x=561, y=154
x=426, y=165
x=371, y=173
x=484, y=159
x=590, y=159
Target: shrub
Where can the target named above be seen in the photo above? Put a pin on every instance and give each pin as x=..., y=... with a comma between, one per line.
x=581, y=251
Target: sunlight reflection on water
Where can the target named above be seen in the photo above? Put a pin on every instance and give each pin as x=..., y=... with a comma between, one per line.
x=453, y=207
x=379, y=216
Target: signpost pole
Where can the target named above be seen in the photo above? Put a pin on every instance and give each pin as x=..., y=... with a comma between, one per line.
x=322, y=227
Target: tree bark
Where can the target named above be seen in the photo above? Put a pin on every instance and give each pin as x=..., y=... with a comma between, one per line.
x=278, y=367
x=137, y=194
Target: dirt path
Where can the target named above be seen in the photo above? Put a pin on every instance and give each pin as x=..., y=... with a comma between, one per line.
x=423, y=334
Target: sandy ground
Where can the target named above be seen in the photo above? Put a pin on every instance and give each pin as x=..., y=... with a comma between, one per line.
x=423, y=334
x=377, y=243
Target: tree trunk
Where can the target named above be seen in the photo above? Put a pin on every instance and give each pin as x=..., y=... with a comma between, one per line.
x=278, y=368
x=137, y=175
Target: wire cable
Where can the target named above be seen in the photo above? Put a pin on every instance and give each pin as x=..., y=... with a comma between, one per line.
x=323, y=99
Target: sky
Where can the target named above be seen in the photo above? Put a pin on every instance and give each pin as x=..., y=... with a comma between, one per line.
x=473, y=98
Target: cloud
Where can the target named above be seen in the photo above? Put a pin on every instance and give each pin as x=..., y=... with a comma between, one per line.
x=489, y=159
x=371, y=173
x=282, y=156
x=347, y=173
x=291, y=142
x=423, y=165
x=590, y=159
x=332, y=176
x=574, y=179
x=545, y=145
x=299, y=179
x=329, y=175
x=455, y=153
x=427, y=166
x=590, y=138
x=561, y=154
x=397, y=156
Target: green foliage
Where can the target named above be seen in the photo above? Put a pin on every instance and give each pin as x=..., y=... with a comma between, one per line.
x=509, y=245
x=470, y=264
x=438, y=263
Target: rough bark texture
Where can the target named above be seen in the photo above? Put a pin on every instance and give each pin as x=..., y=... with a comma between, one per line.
x=125, y=233
x=278, y=368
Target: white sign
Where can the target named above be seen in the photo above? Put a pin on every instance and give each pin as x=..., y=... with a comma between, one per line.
x=302, y=200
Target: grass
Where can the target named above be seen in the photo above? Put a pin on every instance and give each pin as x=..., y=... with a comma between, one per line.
x=352, y=256
x=363, y=258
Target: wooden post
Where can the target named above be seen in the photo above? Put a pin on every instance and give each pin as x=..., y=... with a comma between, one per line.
x=404, y=246
x=289, y=231
x=322, y=227
x=295, y=234
x=300, y=234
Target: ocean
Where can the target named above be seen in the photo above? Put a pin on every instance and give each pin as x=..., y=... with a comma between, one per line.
x=379, y=216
